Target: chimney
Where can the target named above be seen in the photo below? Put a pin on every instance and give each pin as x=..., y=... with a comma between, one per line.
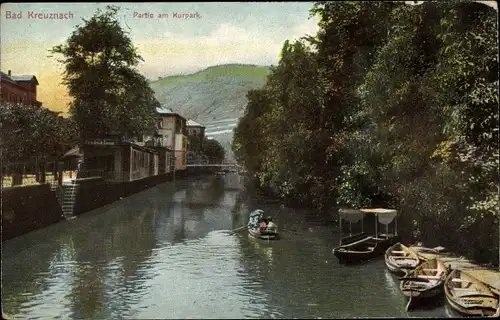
x=9, y=73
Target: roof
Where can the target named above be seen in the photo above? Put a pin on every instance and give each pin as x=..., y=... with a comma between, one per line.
x=24, y=77
x=192, y=123
x=73, y=152
x=164, y=111
x=20, y=78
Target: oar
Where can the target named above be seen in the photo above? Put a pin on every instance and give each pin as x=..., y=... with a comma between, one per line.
x=407, y=308
x=239, y=229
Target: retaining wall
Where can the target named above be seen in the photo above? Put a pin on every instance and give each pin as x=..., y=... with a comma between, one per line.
x=28, y=208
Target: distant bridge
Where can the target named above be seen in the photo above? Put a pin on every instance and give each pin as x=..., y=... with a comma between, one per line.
x=208, y=164
x=213, y=165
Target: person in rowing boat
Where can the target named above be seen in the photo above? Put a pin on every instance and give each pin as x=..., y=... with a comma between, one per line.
x=262, y=225
x=270, y=224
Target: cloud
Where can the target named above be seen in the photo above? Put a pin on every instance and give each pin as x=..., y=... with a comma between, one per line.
x=167, y=54
x=174, y=53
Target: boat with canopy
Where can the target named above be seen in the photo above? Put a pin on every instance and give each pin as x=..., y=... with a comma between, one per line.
x=254, y=229
x=362, y=246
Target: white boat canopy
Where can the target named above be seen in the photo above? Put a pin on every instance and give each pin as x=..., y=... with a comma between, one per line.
x=385, y=216
x=351, y=215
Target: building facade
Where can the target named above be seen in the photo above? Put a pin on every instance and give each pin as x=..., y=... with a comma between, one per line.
x=117, y=160
x=195, y=129
x=19, y=89
x=172, y=133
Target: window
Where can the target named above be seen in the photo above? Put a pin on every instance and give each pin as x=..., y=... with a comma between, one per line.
x=159, y=124
x=140, y=138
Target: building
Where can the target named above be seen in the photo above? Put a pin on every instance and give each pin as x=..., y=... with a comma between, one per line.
x=116, y=159
x=172, y=133
x=19, y=89
x=195, y=129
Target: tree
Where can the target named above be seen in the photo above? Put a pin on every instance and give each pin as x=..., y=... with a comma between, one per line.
x=213, y=150
x=109, y=96
x=30, y=131
x=388, y=105
x=195, y=143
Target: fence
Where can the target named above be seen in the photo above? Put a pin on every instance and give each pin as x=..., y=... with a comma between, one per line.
x=28, y=173
x=33, y=173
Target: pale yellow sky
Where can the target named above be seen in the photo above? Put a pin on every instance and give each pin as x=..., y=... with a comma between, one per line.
x=250, y=33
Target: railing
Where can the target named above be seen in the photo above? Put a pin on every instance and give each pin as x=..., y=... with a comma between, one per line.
x=28, y=173
x=202, y=163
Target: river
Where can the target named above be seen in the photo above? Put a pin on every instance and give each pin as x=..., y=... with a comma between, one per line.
x=166, y=253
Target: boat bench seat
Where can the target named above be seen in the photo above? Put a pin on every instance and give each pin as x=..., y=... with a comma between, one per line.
x=429, y=277
x=431, y=270
x=458, y=280
x=402, y=252
x=465, y=289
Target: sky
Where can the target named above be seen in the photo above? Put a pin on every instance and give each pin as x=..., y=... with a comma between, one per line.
x=245, y=32
x=250, y=33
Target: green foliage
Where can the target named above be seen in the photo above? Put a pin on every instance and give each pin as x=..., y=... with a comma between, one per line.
x=30, y=132
x=195, y=143
x=388, y=105
x=213, y=150
x=109, y=96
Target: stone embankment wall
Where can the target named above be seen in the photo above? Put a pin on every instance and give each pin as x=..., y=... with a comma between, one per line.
x=25, y=209
x=28, y=208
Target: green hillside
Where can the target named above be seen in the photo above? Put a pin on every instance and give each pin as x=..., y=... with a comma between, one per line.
x=214, y=93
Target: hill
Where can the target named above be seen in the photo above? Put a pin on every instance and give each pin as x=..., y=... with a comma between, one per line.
x=216, y=93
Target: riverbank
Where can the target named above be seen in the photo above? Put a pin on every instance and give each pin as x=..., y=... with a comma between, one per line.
x=29, y=208
x=487, y=275
x=434, y=230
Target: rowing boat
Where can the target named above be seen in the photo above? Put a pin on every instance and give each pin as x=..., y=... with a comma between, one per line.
x=364, y=249
x=254, y=229
x=469, y=296
x=400, y=259
x=264, y=235
x=425, y=281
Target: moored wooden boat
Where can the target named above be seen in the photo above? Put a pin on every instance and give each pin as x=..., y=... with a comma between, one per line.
x=469, y=296
x=254, y=230
x=399, y=259
x=362, y=247
x=425, y=281
x=353, y=238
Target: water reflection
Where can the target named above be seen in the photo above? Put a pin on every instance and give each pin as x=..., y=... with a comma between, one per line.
x=82, y=262
x=262, y=247
x=203, y=194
